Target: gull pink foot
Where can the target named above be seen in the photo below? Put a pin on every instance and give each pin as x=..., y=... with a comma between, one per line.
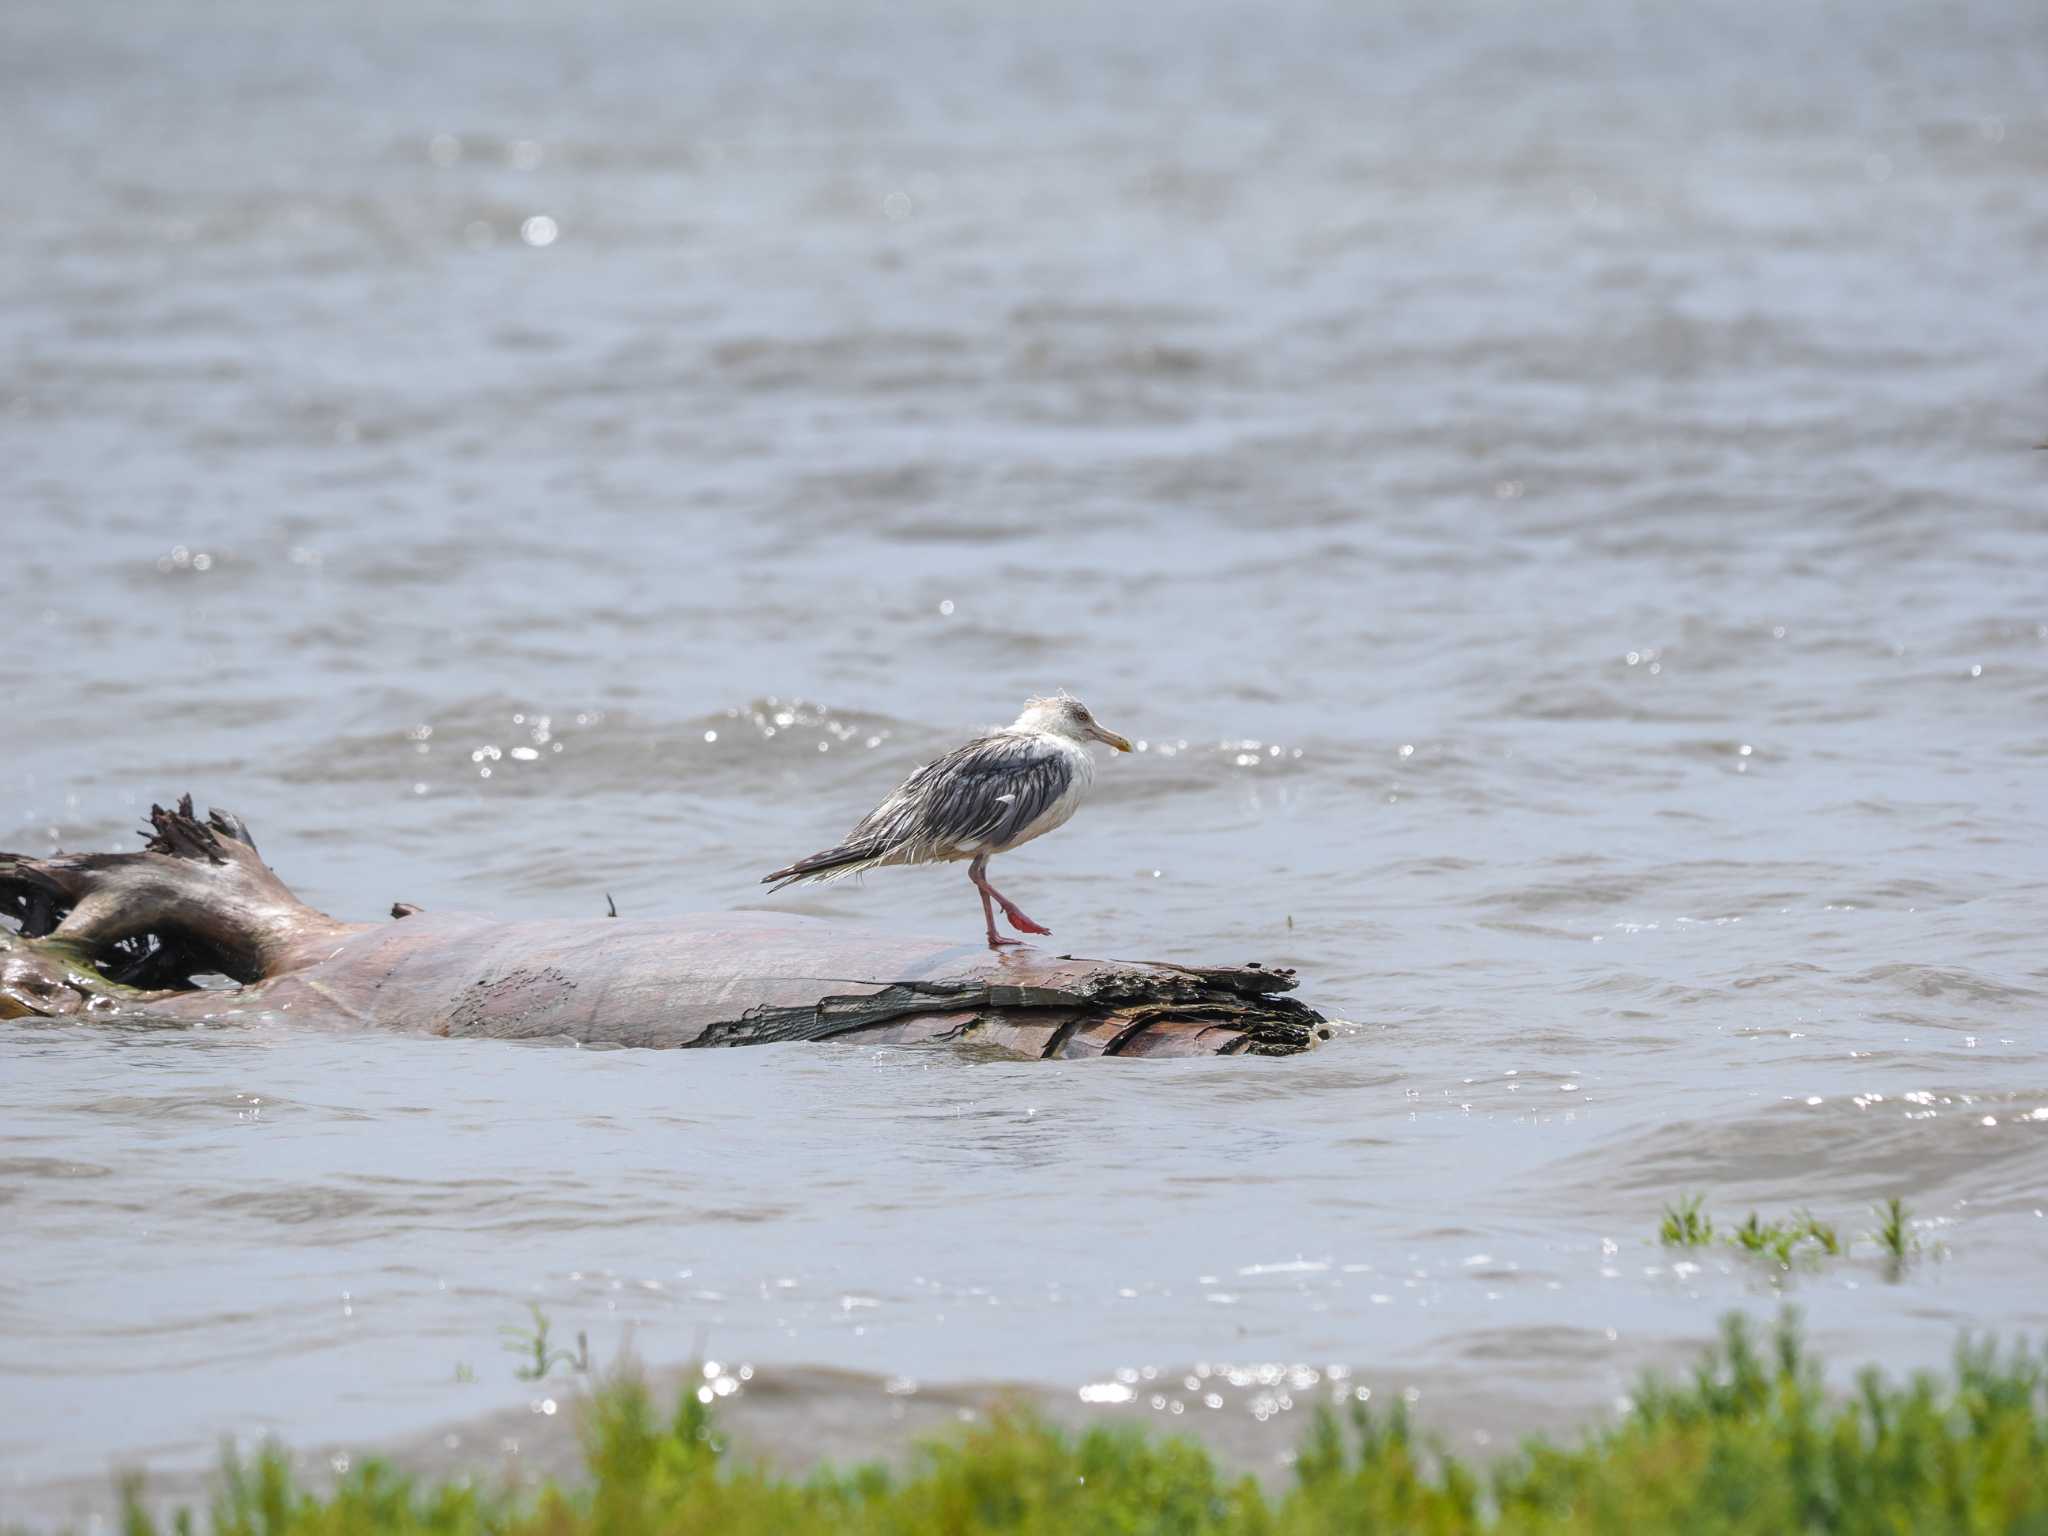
x=1022, y=923
x=988, y=918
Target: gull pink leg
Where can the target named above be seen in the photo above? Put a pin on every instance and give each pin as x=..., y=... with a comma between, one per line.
x=988, y=916
x=977, y=873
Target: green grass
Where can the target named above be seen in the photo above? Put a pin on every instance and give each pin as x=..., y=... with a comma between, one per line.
x=1783, y=1241
x=1820, y=1233
x=1685, y=1224
x=1894, y=1234
x=1801, y=1236
x=535, y=1355
x=1748, y=1443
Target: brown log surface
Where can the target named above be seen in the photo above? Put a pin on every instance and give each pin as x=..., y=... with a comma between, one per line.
x=199, y=895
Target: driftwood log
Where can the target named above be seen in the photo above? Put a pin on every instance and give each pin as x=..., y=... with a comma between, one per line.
x=131, y=933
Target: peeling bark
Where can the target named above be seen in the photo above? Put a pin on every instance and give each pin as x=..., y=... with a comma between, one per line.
x=130, y=932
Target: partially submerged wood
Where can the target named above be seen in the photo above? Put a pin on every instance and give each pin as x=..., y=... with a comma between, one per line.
x=129, y=932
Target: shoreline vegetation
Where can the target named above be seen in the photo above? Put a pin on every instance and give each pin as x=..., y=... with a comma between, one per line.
x=1749, y=1441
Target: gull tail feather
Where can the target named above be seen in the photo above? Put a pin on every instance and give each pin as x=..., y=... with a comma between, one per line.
x=832, y=864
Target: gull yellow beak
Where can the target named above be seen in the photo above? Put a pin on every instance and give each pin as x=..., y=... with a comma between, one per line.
x=1109, y=738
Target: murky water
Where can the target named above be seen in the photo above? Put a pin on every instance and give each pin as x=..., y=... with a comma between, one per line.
x=1551, y=489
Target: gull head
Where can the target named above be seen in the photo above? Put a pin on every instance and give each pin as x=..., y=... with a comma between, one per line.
x=1064, y=715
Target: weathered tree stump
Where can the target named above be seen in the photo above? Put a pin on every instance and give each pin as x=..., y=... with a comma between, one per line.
x=129, y=933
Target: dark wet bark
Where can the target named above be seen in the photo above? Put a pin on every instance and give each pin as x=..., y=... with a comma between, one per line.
x=129, y=932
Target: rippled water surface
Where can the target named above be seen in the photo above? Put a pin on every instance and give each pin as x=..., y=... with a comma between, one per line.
x=1551, y=487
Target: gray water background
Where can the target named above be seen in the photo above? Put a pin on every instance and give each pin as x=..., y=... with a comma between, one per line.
x=1549, y=486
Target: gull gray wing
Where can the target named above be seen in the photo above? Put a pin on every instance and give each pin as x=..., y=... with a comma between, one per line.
x=983, y=795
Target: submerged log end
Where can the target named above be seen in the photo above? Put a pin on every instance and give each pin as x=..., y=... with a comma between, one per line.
x=51, y=979
x=196, y=899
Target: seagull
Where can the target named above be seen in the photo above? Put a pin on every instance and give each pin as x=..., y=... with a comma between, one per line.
x=992, y=795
